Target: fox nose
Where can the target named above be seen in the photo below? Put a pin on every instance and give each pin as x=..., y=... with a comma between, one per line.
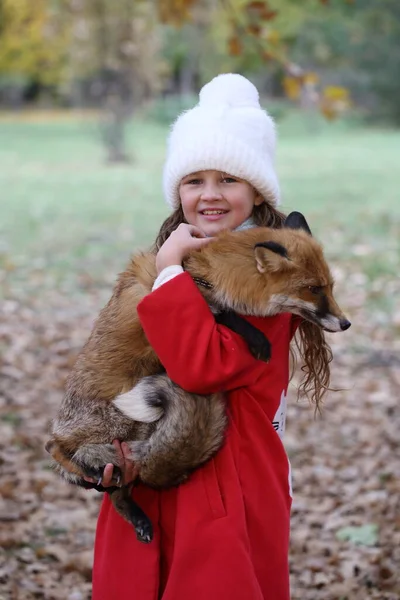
x=344, y=324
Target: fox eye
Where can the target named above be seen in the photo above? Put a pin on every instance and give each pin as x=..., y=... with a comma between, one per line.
x=315, y=289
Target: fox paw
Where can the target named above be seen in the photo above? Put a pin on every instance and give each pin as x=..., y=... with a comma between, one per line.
x=97, y=475
x=144, y=530
x=92, y=459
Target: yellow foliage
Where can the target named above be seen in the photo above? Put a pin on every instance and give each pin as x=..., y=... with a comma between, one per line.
x=335, y=101
x=273, y=37
x=336, y=93
x=292, y=87
x=311, y=78
x=32, y=42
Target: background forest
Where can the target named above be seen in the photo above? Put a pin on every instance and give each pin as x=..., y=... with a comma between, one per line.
x=88, y=89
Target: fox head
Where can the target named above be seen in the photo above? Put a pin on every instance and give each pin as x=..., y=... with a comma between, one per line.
x=303, y=281
x=265, y=271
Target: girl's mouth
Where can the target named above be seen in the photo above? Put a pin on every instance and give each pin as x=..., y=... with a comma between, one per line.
x=212, y=214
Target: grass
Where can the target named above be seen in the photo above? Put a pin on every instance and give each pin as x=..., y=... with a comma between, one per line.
x=66, y=214
x=65, y=210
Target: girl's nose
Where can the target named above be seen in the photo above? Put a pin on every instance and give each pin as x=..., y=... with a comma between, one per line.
x=211, y=192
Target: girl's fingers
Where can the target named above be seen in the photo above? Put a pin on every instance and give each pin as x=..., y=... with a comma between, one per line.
x=191, y=229
x=199, y=243
x=117, y=446
x=196, y=232
x=107, y=475
x=131, y=470
x=127, y=466
x=126, y=451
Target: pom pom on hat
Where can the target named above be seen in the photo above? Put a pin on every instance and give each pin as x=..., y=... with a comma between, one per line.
x=230, y=89
x=227, y=131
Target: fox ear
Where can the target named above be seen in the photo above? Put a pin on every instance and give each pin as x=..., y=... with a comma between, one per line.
x=270, y=256
x=297, y=221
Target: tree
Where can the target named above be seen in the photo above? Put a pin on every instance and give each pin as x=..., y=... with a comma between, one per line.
x=115, y=45
x=33, y=42
x=111, y=45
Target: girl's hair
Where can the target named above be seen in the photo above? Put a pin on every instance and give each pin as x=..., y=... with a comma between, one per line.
x=309, y=342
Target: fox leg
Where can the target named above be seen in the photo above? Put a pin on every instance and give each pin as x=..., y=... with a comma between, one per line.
x=258, y=344
x=92, y=458
x=125, y=506
x=90, y=461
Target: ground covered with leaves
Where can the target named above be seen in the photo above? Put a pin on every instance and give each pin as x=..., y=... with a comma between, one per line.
x=346, y=519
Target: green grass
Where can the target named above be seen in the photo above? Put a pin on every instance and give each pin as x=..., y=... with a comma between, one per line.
x=64, y=210
x=66, y=214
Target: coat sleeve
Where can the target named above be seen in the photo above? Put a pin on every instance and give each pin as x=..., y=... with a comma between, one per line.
x=198, y=354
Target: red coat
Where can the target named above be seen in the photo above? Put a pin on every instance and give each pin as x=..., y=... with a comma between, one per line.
x=223, y=535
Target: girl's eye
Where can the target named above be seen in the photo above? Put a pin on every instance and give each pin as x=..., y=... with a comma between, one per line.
x=193, y=181
x=315, y=289
x=229, y=180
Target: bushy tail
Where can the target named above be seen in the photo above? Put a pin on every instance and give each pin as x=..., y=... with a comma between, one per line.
x=189, y=432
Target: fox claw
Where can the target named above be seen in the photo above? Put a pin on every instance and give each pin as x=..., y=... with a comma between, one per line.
x=144, y=531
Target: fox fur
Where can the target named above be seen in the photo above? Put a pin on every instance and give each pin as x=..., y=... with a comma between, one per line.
x=118, y=390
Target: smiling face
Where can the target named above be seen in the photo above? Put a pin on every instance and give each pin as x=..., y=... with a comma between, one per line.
x=215, y=201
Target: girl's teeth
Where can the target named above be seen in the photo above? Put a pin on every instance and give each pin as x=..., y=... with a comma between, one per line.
x=213, y=212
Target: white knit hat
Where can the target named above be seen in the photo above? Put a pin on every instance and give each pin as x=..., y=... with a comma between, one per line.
x=227, y=131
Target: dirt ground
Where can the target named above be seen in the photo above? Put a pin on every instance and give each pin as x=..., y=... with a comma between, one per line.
x=346, y=463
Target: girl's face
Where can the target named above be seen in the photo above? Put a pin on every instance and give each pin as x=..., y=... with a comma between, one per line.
x=215, y=201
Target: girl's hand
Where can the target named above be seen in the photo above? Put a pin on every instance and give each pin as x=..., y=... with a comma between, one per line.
x=181, y=241
x=128, y=469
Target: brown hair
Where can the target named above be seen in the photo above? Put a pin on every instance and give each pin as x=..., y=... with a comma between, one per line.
x=309, y=342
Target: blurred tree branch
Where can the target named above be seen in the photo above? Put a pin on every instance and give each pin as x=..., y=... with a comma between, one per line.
x=265, y=30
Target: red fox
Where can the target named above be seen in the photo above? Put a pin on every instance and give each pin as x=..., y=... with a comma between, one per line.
x=117, y=389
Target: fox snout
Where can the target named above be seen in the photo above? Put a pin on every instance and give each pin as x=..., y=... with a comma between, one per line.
x=332, y=323
x=329, y=322
x=321, y=309
x=332, y=320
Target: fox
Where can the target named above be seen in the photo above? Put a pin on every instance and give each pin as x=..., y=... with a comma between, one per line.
x=118, y=388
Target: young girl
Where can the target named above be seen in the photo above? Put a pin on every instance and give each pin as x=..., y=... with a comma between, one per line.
x=223, y=535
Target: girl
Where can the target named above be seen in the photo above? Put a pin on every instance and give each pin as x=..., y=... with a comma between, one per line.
x=223, y=535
